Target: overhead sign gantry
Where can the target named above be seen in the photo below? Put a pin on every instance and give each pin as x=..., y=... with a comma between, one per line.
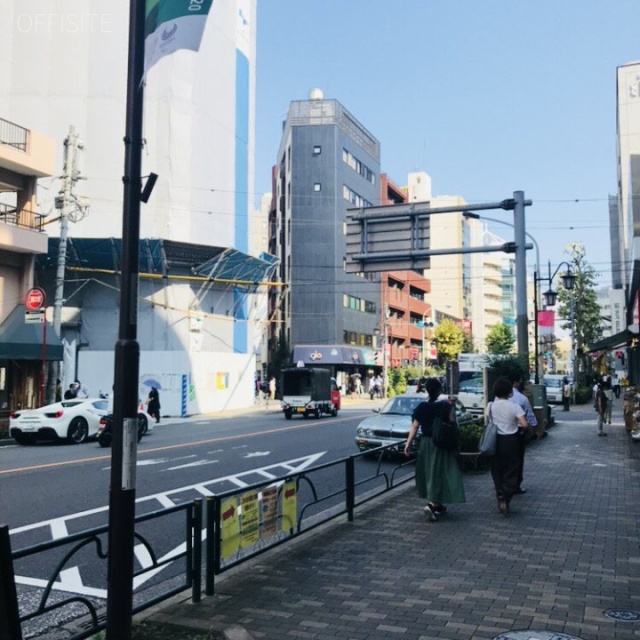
x=397, y=237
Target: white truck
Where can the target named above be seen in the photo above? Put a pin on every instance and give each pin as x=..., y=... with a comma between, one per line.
x=471, y=382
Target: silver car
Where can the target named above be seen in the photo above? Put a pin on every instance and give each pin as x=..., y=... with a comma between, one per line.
x=391, y=424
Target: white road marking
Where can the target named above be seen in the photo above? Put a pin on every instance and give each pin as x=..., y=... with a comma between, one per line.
x=146, y=463
x=197, y=463
x=258, y=454
x=70, y=578
x=290, y=466
x=59, y=529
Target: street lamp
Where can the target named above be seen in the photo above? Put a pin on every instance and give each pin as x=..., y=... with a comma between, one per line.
x=550, y=296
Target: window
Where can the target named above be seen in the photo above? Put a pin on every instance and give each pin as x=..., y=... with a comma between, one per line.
x=349, y=159
x=354, y=198
x=317, y=186
x=317, y=149
x=358, y=304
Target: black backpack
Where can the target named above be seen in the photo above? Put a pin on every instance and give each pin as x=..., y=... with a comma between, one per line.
x=443, y=432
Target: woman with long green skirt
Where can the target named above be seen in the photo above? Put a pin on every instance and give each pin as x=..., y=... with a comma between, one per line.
x=438, y=476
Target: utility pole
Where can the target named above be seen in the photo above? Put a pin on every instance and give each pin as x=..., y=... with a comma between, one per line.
x=71, y=208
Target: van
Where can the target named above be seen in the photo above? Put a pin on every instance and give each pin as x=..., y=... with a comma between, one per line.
x=553, y=384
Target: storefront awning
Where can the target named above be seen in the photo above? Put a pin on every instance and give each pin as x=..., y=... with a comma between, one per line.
x=22, y=341
x=323, y=354
x=621, y=339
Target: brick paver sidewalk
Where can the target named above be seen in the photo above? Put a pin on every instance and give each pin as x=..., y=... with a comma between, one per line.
x=569, y=551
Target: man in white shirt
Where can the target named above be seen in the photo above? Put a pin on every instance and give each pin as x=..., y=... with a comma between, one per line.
x=83, y=392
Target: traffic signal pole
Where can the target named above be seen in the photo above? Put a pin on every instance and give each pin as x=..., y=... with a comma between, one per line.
x=519, y=236
x=122, y=493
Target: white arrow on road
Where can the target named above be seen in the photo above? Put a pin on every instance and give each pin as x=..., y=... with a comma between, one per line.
x=70, y=579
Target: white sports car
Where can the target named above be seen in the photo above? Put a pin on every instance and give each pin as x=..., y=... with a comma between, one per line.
x=75, y=420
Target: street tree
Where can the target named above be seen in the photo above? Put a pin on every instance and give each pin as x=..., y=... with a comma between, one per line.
x=468, y=346
x=500, y=339
x=449, y=339
x=581, y=305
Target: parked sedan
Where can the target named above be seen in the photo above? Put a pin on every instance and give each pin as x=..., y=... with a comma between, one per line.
x=75, y=420
x=393, y=421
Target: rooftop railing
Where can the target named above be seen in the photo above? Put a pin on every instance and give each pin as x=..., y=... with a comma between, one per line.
x=13, y=135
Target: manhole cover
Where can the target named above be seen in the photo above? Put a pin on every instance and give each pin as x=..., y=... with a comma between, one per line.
x=530, y=634
x=622, y=615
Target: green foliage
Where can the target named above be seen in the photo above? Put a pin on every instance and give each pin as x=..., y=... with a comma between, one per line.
x=397, y=382
x=586, y=310
x=584, y=395
x=469, y=436
x=449, y=339
x=468, y=343
x=500, y=339
x=509, y=366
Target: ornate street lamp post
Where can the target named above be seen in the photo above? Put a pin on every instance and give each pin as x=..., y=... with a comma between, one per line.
x=568, y=282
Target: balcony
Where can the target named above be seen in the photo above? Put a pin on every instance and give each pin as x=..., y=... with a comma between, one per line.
x=21, y=232
x=23, y=152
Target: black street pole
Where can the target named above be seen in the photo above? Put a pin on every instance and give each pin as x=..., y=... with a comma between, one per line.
x=535, y=327
x=122, y=493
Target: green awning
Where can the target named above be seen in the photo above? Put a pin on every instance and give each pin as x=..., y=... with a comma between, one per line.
x=22, y=341
x=612, y=342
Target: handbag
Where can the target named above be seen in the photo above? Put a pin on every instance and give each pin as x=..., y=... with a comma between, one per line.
x=444, y=433
x=489, y=438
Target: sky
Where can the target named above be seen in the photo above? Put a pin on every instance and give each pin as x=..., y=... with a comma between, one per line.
x=487, y=97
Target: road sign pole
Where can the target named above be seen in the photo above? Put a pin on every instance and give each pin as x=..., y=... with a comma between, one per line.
x=44, y=361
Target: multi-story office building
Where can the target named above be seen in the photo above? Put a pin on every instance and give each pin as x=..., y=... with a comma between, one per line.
x=624, y=217
x=628, y=146
x=328, y=162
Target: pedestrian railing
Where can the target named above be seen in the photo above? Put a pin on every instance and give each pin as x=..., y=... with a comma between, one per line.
x=89, y=549
x=240, y=524
x=243, y=523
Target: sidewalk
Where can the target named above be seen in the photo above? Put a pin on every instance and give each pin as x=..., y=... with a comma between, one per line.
x=568, y=552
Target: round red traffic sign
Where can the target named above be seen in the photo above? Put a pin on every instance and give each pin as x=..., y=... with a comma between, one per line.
x=35, y=299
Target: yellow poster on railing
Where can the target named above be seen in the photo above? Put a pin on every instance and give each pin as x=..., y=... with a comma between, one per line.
x=229, y=527
x=250, y=519
x=269, y=512
x=289, y=506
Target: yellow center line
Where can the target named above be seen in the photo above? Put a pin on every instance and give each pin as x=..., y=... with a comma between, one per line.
x=171, y=447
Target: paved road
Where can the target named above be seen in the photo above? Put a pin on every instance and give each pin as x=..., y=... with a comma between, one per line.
x=568, y=552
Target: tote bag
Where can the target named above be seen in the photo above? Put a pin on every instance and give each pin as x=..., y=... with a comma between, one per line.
x=489, y=438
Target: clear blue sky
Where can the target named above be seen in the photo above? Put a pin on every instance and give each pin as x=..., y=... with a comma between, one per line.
x=488, y=97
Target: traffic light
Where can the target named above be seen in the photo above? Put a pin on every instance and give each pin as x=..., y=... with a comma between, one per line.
x=620, y=356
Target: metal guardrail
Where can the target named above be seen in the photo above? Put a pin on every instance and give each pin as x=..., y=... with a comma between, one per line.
x=13, y=135
x=13, y=619
x=363, y=480
x=26, y=219
x=267, y=534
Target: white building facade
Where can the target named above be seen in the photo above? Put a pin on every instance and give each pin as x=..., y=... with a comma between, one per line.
x=64, y=62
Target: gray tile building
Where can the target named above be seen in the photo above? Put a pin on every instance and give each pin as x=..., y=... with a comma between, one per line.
x=327, y=163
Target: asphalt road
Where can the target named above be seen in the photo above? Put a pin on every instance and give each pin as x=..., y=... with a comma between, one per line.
x=48, y=481
x=49, y=491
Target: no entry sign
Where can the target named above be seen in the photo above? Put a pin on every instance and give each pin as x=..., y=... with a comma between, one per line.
x=35, y=299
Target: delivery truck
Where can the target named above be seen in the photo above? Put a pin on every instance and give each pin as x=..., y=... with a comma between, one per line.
x=309, y=391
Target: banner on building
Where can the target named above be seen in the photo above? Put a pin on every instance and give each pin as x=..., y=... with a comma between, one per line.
x=171, y=25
